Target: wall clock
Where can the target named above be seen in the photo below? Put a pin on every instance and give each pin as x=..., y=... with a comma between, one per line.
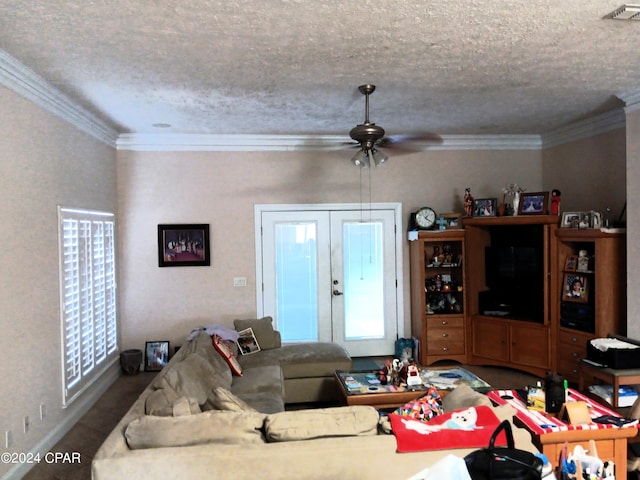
x=425, y=218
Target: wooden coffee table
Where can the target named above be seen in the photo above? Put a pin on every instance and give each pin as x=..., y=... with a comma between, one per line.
x=360, y=388
x=550, y=433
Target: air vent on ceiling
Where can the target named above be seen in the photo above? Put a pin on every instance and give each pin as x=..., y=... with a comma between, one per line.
x=625, y=12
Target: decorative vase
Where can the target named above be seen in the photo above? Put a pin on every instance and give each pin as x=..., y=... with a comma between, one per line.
x=516, y=202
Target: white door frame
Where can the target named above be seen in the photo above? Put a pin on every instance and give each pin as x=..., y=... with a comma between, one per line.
x=395, y=206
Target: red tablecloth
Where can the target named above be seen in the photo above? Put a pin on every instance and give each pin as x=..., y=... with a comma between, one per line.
x=540, y=422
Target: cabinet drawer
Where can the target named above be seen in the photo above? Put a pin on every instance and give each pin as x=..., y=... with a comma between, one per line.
x=445, y=341
x=442, y=321
x=575, y=338
x=568, y=368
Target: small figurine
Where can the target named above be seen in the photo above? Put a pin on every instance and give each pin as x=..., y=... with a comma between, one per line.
x=555, y=202
x=413, y=375
x=468, y=203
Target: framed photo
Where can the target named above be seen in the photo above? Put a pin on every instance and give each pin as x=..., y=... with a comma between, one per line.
x=570, y=219
x=156, y=355
x=183, y=245
x=571, y=263
x=576, y=288
x=485, y=207
x=247, y=342
x=534, y=203
x=449, y=221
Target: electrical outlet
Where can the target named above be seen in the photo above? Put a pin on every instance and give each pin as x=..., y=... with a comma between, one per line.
x=7, y=439
x=239, y=281
x=26, y=424
x=42, y=411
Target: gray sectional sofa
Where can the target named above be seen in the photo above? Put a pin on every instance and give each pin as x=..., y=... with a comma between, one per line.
x=199, y=420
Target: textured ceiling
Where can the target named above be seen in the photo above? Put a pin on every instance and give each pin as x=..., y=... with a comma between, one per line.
x=292, y=67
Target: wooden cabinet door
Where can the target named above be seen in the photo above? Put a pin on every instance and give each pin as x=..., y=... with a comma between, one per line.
x=529, y=345
x=490, y=339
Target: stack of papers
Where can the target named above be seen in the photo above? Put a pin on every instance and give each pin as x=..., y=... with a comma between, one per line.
x=626, y=394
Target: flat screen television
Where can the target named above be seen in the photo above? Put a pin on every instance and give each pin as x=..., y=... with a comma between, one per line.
x=514, y=273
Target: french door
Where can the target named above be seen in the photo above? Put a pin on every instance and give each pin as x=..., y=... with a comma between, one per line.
x=331, y=275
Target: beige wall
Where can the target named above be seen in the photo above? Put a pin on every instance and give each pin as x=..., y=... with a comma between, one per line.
x=43, y=162
x=633, y=224
x=221, y=188
x=590, y=173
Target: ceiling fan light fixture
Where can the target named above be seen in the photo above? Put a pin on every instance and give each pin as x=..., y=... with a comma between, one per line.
x=361, y=159
x=378, y=157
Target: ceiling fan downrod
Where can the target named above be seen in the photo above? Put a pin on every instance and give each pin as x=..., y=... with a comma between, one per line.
x=367, y=133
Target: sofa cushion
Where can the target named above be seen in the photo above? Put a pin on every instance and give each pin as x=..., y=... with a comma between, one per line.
x=303, y=360
x=222, y=399
x=164, y=402
x=227, y=353
x=207, y=427
x=324, y=422
x=262, y=329
x=194, y=377
x=266, y=379
x=264, y=402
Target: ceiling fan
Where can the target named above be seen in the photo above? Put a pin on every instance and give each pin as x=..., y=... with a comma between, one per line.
x=370, y=136
x=367, y=134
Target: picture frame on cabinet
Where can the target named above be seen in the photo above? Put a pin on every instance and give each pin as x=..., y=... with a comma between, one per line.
x=575, y=288
x=571, y=219
x=534, y=203
x=485, y=207
x=450, y=221
x=571, y=263
x=183, y=245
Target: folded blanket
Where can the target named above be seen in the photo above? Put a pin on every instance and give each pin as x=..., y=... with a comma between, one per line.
x=467, y=428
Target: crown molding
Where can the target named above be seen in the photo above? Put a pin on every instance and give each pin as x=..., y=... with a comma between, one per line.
x=34, y=88
x=244, y=143
x=605, y=122
x=28, y=84
x=631, y=100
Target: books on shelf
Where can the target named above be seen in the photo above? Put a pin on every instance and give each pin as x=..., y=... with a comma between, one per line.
x=626, y=394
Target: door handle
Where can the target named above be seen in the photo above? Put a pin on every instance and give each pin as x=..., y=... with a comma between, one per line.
x=337, y=292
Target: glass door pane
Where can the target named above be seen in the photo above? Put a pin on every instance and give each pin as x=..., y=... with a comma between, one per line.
x=297, y=281
x=363, y=280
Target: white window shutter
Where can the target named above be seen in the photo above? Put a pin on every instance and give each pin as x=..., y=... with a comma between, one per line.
x=88, y=297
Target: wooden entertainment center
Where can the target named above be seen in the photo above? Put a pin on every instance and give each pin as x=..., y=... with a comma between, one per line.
x=535, y=332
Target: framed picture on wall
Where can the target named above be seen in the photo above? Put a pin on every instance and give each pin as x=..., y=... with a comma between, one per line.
x=183, y=245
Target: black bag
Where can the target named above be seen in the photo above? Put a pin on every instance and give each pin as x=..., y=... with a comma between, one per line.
x=508, y=463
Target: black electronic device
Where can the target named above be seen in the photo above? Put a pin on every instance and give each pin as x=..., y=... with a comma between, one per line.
x=578, y=316
x=514, y=273
x=554, y=393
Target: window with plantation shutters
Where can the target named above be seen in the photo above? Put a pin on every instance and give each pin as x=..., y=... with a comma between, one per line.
x=87, y=297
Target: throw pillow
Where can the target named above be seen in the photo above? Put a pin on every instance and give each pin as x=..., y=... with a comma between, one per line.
x=225, y=351
x=222, y=399
x=468, y=428
x=262, y=329
x=323, y=422
x=208, y=427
